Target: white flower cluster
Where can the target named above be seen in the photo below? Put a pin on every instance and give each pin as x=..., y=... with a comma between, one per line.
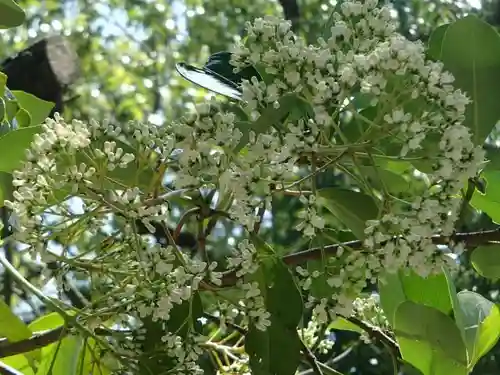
x=414, y=100
x=362, y=55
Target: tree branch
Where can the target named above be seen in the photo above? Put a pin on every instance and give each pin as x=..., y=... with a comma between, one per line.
x=37, y=341
x=471, y=239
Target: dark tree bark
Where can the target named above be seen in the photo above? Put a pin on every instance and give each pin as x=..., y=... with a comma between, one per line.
x=44, y=70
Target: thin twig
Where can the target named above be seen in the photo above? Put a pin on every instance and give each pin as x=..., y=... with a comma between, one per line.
x=310, y=358
x=377, y=334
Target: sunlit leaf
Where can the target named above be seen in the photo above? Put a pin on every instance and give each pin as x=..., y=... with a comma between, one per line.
x=429, y=340
x=37, y=108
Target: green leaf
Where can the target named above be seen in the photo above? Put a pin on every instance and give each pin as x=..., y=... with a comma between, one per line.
x=3, y=84
x=481, y=324
x=351, y=208
x=11, y=14
x=429, y=340
x=23, y=118
x=14, y=144
x=63, y=358
x=470, y=50
x=38, y=109
x=20, y=363
x=6, y=188
x=277, y=350
x=489, y=202
x=436, y=42
x=11, y=327
x=432, y=291
x=344, y=325
x=380, y=177
x=89, y=361
x=6, y=369
x=486, y=261
x=49, y=321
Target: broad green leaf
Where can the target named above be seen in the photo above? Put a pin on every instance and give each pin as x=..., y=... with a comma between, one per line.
x=6, y=369
x=432, y=291
x=49, y=321
x=392, y=295
x=3, y=84
x=11, y=14
x=486, y=261
x=11, y=327
x=38, y=109
x=351, y=208
x=277, y=350
x=13, y=146
x=344, y=325
x=480, y=335
x=436, y=42
x=489, y=202
x=489, y=333
x=380, y=177
x=429, y=340
x=63, y=358
x=2, y=113
x=20, y=363
x=470, y=50
x=5, y=187
x=23, y=118
x=89, y=361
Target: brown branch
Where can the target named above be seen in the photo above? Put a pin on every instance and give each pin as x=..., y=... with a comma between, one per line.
x=471, y=239
x=41, y=339
x=37, y=341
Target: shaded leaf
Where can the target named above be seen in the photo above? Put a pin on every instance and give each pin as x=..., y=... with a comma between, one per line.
x=486, y=261
x=11, y=14
x=277, y=350
x=470, y=50
x=436, y=42
x=351, y=208
x=38, y=109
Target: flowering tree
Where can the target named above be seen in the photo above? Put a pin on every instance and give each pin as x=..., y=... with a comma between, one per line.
x=406, y=125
